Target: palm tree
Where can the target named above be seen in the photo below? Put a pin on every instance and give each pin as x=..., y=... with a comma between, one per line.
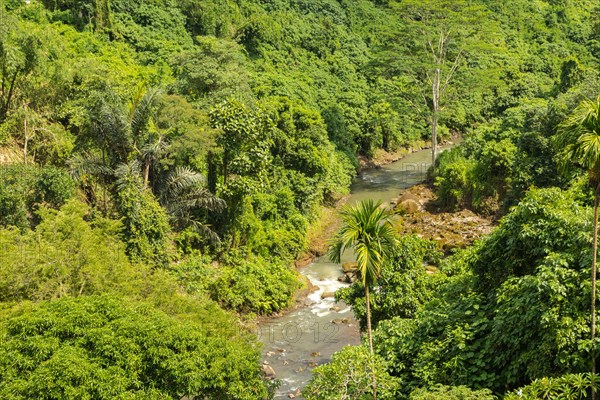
x=367, y=230
x=92, y=170
x=150, y=152
x=579, y=141
x=183, y=195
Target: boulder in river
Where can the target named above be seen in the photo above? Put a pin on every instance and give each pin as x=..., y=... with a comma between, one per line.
x=406, y=196
x=327, y=295
x=268, y=371
x=351, y=266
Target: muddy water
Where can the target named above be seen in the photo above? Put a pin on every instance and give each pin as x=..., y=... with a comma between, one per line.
x=298, y=341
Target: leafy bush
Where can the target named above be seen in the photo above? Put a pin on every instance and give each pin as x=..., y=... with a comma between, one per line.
x=441, y=392
x=72, y=254
x=24, y=188
x=243, y=283
x=146, y=224
x=476, y=183
x=255, y=285
x=64, y=256
x=107, y=347
x=348, y=376
x=571, y=386
x=454, y=179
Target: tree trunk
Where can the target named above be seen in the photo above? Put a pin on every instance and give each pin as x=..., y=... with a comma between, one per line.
x=225, y=166
x=370, y=333
x=385, y=138
x=104, y=182
x=434, y=118
x=146, y=173
x=26, y=140
x=212, y=173
x=594, y=251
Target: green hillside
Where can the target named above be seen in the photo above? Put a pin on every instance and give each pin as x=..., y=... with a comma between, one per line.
x=162, y=163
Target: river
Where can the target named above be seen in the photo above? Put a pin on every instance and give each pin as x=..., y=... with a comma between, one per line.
x=305, y=337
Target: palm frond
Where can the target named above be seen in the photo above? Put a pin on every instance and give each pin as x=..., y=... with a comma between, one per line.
x=153, y=149
x=88, y=164
x=181, y=179
x=366, y=230
x=128, y=173
x=142, y=109
x=578, y=138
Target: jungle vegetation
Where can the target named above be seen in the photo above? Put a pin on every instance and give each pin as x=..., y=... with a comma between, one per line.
x=162, y=161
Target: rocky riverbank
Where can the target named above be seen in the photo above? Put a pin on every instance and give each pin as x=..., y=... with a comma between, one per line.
x=420, y=214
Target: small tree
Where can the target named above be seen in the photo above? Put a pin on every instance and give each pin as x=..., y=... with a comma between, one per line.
x=146, y=223
x=579, y=139
x=366, y=230
x=437, y=39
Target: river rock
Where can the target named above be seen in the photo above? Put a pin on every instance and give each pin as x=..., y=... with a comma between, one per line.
x=406, y=196
x=336, y=321
x=335, y=308
x=268, y=371
x=351, y=266
x=342, y=278
x=408, y=206
x=327, y=295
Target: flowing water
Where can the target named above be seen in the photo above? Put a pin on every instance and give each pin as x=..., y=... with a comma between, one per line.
x=308, y=336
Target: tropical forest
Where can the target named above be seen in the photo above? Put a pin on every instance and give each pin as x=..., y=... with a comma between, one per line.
x=311, y=199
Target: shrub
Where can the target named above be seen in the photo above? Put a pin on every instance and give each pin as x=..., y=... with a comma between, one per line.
x=106, y=348
x=348, y=376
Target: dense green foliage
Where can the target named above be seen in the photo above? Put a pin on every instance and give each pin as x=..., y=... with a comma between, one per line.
x=511, y=150
x=348, y=376
x=511, y=309
x=106, y=348
x=24, y=189
x=245, y=285
x=572, y=386
x=442, y=392
x=161, y=162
